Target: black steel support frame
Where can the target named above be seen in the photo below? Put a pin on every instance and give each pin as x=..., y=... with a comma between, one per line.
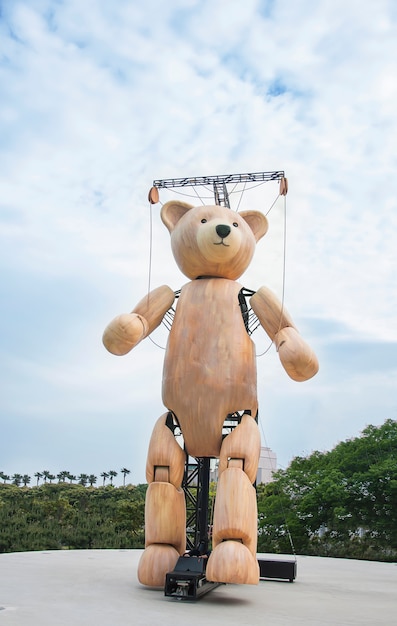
x=195, y=484
x=219, y=182
x=222, y=178
x=188, y=581
x=196, y=487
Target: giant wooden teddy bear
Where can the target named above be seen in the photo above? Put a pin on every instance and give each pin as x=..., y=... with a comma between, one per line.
x=209, y=373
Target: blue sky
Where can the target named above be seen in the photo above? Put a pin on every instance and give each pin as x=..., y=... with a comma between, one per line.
x=99, y=99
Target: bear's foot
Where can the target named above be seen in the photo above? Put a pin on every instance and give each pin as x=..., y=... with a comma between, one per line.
x=155, y=562
x=232, y=562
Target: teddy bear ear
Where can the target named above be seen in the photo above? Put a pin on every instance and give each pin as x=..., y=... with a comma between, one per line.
x=172, y=212
x=257, y=223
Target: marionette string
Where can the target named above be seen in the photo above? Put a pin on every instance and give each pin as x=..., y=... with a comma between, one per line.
x=150, y=264
x=273, y=470
x=283, y=268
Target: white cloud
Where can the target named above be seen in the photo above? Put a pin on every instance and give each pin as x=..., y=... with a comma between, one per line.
x=99, y=99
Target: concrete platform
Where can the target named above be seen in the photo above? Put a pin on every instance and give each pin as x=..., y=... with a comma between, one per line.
x=100, y=588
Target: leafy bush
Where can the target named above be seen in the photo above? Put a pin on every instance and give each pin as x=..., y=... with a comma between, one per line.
x=62, y=516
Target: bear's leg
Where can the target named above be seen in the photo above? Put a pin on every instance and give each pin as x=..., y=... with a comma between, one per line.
x=234, y=536
x=165, y=510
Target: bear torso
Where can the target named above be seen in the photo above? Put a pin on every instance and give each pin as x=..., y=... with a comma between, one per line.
x=209, y=366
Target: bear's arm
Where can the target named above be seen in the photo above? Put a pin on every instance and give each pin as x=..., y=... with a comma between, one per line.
x=296, y=356
x=125, y=331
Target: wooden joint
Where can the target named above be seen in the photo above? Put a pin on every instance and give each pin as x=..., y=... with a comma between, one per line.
x=280, y=344
x=162, y=474
x=239, y=463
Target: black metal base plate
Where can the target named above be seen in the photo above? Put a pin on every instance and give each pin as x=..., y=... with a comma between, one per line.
x=187, y=581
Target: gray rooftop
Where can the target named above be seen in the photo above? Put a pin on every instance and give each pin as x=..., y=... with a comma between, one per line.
x=100, y=587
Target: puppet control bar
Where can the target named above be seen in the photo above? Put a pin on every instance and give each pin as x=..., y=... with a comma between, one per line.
x=219, y=184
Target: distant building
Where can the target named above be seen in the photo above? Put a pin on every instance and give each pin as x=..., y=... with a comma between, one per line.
x=267, y=466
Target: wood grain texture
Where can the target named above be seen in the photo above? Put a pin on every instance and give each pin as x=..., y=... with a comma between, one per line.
x=154, y=306
x=165, y=516
x=165, y=451
x=153, y=195
x=283, y=187
x=123, y=333
x=161, y=474
x=155, y=562
x=235, y=512
x=243, y=443
x=296, y=356
x=232, y=562
x=210, y=367
x=198, y=249
x=126, y=330
x=270, y=312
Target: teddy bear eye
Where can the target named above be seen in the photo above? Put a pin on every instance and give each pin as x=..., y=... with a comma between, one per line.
x=235, y=224
x=203, y=221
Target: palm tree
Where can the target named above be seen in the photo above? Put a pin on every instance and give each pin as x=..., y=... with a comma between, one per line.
x=112, y=474
x=38, y=475
x=51, y=477
x=83, y=479
x=104, y=475
x=92, y=479
x=125, y=471
x=25, y=480
x=62, y=476
x=17, y=479
x=46, y=475
x=4, y=477
x=70, y=477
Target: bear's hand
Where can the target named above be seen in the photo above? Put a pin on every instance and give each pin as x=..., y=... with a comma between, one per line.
x=296, y=356
x=124, y=333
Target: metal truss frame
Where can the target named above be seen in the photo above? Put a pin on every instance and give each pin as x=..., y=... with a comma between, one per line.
x=219, y=182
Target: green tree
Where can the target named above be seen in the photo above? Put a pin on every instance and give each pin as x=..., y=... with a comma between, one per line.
x=125, y=471
x=83, y=479
x=4, y=477
x=92, y=479
x=16, y=479
x=337, y=503
x=112, y=474
x=38, y=475
x=104, y=475
x=26, y=480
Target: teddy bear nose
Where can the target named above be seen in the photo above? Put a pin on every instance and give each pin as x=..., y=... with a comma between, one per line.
x=223, y=230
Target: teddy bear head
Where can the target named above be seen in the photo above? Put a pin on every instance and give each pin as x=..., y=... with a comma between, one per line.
x=212, y=241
